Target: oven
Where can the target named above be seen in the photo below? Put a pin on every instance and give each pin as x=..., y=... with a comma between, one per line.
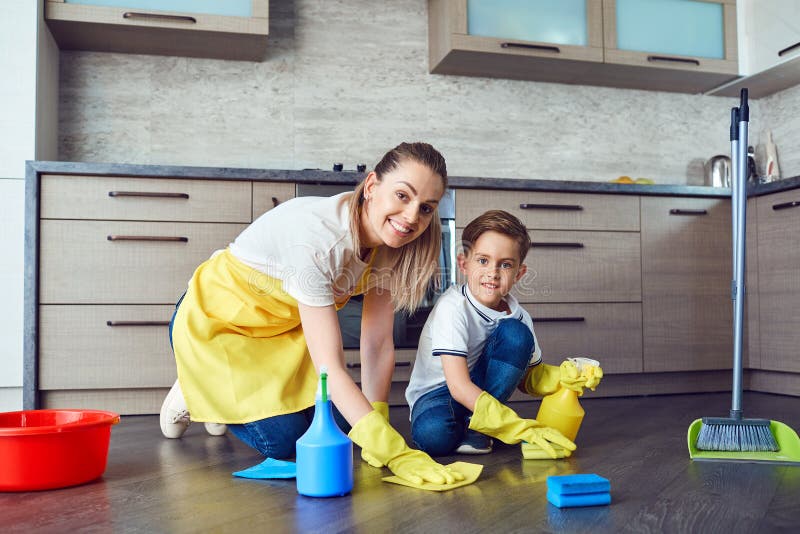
x=407, y=328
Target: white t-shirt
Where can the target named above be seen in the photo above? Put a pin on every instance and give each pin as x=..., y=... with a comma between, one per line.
x=306, y=243
x=459, y=325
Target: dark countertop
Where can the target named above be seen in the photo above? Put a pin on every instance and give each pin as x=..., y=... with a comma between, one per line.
x=318, y=176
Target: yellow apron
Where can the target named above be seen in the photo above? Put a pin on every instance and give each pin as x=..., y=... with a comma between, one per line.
x=239, y=346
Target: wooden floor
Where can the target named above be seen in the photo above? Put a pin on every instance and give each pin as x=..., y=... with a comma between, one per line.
x=639, y=443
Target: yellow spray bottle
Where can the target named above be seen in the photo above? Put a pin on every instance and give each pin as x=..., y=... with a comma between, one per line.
x=561, y=410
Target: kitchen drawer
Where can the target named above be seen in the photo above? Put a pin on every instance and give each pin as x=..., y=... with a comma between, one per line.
x=566, y=266
x=267, y=195
x=146, y=263
x=102, y=347
x=404, y=363
x=609, y=333
x=552, y=211
x=145, y=199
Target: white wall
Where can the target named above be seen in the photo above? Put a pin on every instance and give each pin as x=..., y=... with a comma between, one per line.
x=19, y=40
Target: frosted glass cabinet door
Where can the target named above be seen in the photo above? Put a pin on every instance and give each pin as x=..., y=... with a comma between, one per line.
x=679, y=34
x=564, y=22
x=229, y=8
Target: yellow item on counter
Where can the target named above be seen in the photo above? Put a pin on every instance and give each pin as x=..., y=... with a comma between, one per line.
x=383, y=409
x=562, y=411
x=531, y=451
x=493, y=418
x=471, y=473
x=374, y=433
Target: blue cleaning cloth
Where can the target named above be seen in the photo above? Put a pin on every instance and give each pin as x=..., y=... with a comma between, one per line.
x=573, y=484
x=269, y=468
x=579, y=499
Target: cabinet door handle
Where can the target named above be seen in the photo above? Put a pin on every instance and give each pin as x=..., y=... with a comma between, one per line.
x=354, y=365
x=786, y=205
x=148, y=194
x=687, y=212
x=563, y=207
x=177, y=239
x=669, y=59
x=542, y=48
x=159, y=17
x=137, y=323
x=788, y=49
x=559, y=319
x=540, y=244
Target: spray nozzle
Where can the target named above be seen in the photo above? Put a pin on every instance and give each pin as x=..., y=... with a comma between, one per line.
x=322, y=389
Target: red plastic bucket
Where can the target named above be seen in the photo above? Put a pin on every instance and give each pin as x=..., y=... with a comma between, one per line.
x=46, y=449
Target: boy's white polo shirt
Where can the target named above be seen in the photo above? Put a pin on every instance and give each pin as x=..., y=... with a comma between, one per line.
x=459, y=325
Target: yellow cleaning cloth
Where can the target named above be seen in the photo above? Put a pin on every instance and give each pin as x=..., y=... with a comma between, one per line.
x=471, y=473
x=531, y=451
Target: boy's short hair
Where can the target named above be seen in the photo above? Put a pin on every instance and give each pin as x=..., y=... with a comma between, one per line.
x=501, y=222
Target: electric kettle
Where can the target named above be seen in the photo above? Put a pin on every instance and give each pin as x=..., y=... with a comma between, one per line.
x=718, y=171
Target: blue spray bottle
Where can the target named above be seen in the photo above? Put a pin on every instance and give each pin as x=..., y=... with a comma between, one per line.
x=324, y=453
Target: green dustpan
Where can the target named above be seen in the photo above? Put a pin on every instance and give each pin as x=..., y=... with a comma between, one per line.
x=787, y=439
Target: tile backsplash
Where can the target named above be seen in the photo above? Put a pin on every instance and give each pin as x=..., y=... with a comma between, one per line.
x=346, y=80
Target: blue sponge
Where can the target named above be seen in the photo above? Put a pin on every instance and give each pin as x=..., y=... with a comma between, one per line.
x=579, y=499
x=572, y=484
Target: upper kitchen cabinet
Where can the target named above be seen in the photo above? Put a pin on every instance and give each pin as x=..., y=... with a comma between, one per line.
x=521, y=39
x=219, y=29
x=665, y=45
x=769, y=48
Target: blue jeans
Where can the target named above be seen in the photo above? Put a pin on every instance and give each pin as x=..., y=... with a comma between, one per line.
x=439, y=423
x=273, y=437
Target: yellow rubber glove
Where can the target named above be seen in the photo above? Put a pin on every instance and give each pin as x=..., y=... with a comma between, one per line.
x=493, y=418
x=383, y=409
x=531, y=451
x=374, y=433
x=545, y=379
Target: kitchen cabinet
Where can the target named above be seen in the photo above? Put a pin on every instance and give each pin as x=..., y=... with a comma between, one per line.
x=233, y=29
x=686, y=284
x=583, y=284
x=769, y=48
x=779, y=280
x=115, y=254
x=612, y=43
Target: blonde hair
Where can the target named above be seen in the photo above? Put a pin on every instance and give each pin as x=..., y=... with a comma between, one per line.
x=414, y=265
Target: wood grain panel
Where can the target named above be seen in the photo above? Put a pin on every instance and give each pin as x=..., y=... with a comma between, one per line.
x=779, y=280
x=79, y=265
x=267, y=195
x=404, y=364
x=122, y=401
x=752, y=334
x=79, y=350
x=609, y=333
x=686, y=274
x=551, y=211
x=90, y=197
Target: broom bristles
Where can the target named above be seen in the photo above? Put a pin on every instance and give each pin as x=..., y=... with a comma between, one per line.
x=734, y=435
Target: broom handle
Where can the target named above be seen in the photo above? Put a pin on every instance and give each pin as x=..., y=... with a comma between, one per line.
x=739, y=199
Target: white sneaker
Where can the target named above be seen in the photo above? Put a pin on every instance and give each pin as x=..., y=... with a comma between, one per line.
x=174, y=416
x=216, y=429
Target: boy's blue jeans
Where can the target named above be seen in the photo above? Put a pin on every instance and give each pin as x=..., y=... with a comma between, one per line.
x=274, y=437
x=439, y=423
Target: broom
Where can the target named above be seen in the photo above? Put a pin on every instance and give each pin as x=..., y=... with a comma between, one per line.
x=735, y=433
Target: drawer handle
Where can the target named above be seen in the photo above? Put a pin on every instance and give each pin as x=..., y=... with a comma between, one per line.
x=788, y=49
x=559, y=320
x=275, y=202
x=156, y=17
x=687, y=212
x=564, y=207
x=786, y=205
x=538, y=244
x=137, y=323
x=178, y=239
x=147, y=194
x=669, y=59
x=358, y=365
x=543, y=48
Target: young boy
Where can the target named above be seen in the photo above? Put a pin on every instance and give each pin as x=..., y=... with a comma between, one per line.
x=477, y=346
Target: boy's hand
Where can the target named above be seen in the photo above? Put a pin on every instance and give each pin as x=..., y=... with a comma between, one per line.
x=493, y=418
x=587, y=376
